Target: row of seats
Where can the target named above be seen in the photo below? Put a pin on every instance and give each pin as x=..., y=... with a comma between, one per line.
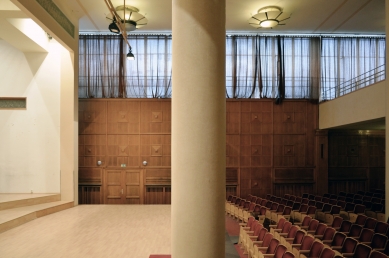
x=267, y=209
x=258, y=242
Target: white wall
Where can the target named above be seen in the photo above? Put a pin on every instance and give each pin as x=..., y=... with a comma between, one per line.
x=362, y=105
x=30, y=139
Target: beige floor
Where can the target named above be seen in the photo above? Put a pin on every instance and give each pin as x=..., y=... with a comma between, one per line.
x=134, y=231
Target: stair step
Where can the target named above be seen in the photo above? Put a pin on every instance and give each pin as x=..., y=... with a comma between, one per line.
x=11, y=201
x=11, y=218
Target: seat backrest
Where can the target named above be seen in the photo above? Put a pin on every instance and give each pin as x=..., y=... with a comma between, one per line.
x=274, y=206
x=329, y=233
x=286, y=227
x=266, y=240
x=272, y=246
x=298, y=238
x=305, y=200
x=319, y=205
x=378, y=241
x=278, y=199
x=377, y=207
x=296, y=206
x=264, y=202
x=259, y=200
x=359, y=208
x=311, y=197
x=280, y=250
x=284, y=201
x=262, y=234
x=246, y=204
x=252, y=206
x=342, y=193
x=358, y=196
x=288, y=254
x=229, y=198
x=333, y=196
x=250, y=221
x=345, y=226
x=326, y=207
x=320, y=229
x=362, y=251
x=338, y=239
x=370, y=223
x=269, y=204
x=292, y=231
x=341, y=198
x=366, y=235
x=287, y=210
x=298, y=199
x=381, y=227
x=355, y=230
x=349, y=245
x=292, y=198
x=341, y=203
x=316, y=249
x=325, y=200
x=335, y=209
x=303, y=208
x=257, y=208
x=262, y=210
x=281, y=223
x=361, y=219
x=327, y=253
x=377, y=254
x=306, y=221
x=311, y=210
x=313, y=225
x=337, y=222
x=312, y=203
x=280, y=208
x=253, y=225
x=307, y=242
x=333, y=202
x=318, y=198
x=349, y=206
x=289, y=203
x=305, y=195
x=257, y=228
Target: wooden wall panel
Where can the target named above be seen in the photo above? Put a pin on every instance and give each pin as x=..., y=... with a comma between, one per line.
x=260, y=138
x=356, y=160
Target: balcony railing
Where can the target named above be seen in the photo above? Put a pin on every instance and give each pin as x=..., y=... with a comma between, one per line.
x=368, y=78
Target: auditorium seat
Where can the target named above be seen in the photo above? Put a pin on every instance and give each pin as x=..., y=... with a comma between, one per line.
x=378, y=242
x=381, y=227
x=345, y=226
x=366, y=236
x=370, y=223
x=314, y=251
x=279, y=225
x=337, y=241
x=252, y=243
x=254, y=252
x=297, y=239
x=355, y=231
x=376, y=254
x=336, y=222
x=348, y=246
x=305, y=223
x=360, y=220
x=361, y=251
x=319, y=232
x=306, y=244
x=328, y=234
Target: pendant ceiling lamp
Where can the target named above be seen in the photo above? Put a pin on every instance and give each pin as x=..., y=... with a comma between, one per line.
x=130, y=22
x=268, y=17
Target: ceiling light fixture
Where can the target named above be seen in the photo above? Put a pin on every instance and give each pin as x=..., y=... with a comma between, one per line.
x=268, y=17
x=132, y=18
x=130, y=55
x=121, y=26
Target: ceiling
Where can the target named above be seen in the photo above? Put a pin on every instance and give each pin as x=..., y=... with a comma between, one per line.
x=365, y=17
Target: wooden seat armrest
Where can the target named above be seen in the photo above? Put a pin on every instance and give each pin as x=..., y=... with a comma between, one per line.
x=289, y=240
x=249, y=232
x=318, y=236
x=257, y=243
x=272, y=226
x=262, y=248
x=297, y=246
x=243, y=225
x=253, y=237
x=379, y=249
x=298, y=223
x=337, y=228
x=277, y=230
x=268, y=255
x=304, y=251
x=336, y=215
x=365, y=243
x=326, y=241
x=283, y=234
x=304, y=227
x=348, y=254
x=311, y=232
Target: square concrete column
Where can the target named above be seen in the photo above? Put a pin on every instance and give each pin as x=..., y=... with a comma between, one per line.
x=198, y=128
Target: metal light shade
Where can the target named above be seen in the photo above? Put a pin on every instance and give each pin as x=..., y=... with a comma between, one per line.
x=268, y=17
x=130, y=56
x=113, y=27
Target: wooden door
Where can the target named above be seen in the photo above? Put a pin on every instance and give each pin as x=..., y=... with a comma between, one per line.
x=123, y=187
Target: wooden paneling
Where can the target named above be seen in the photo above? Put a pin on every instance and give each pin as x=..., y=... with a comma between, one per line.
x=356, y=160
x=260, y=138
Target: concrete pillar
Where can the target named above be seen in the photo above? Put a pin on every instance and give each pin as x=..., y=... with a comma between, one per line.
x=198, y=128
x=387, y=113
